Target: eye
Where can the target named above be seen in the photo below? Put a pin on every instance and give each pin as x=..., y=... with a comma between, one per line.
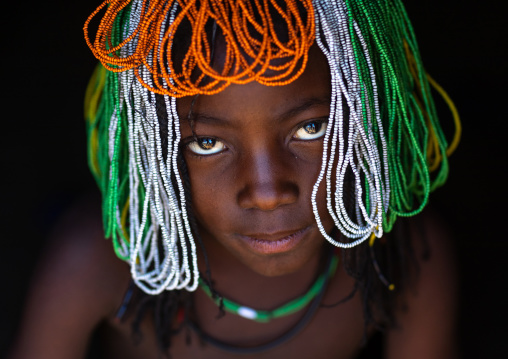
x=311, y=130
x=206, y=146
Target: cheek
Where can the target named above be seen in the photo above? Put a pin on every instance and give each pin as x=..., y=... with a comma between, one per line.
x=310, y=161
x=210, y=191
x=324, y=215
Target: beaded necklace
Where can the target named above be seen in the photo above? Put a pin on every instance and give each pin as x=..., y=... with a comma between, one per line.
x=293, y=306
x=290, y=334
x=315, y=302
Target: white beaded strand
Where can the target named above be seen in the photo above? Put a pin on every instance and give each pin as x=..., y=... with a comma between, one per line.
x=361, y=156
x=160, y=219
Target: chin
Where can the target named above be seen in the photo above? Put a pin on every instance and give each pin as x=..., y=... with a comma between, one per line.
x=276, y=266
x=280, y=264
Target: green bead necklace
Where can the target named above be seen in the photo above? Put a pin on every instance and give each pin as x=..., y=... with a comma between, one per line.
x=265, y=316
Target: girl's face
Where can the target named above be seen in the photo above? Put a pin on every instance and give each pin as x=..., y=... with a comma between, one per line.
x=257, y=156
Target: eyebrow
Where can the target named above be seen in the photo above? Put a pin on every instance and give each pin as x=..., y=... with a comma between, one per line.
x=202, y=117
x=207, y=119
x=307, y=104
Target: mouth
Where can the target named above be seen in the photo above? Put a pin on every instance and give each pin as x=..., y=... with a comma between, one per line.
x=272, y=243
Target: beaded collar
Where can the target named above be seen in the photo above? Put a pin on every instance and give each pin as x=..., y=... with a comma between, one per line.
x=315, y=301
x=293, y=306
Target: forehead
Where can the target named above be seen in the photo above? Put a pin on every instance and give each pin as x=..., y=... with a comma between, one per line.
x=239, y=101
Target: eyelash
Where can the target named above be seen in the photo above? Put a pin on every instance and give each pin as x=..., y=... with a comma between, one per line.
x=199, y=150
x=320, y=130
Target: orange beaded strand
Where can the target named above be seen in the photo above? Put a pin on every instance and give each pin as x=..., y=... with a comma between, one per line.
x=253, y=51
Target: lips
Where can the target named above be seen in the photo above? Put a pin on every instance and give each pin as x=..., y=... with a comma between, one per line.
x=272, y=243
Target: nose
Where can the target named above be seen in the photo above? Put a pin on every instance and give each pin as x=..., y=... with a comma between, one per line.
x=268, y=181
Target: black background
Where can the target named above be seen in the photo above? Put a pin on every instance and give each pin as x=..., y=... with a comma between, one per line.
x=46, y=65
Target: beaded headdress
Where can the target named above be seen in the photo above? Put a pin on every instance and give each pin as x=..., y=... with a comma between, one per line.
x=389, y=141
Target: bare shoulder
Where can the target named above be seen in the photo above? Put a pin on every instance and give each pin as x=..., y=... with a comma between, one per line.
x=426, y=322
x=78, y=283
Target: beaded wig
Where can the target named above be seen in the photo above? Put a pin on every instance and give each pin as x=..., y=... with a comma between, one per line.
x=383, y=134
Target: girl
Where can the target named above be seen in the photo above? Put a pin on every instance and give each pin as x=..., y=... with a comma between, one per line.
x=243, y=150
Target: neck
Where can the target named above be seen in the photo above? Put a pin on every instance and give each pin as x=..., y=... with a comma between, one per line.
x=235, y=280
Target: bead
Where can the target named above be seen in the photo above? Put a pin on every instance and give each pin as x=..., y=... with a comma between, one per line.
x=247, y=58
x=247, y=312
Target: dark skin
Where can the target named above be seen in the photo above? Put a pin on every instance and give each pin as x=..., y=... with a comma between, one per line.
x=256, y=185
